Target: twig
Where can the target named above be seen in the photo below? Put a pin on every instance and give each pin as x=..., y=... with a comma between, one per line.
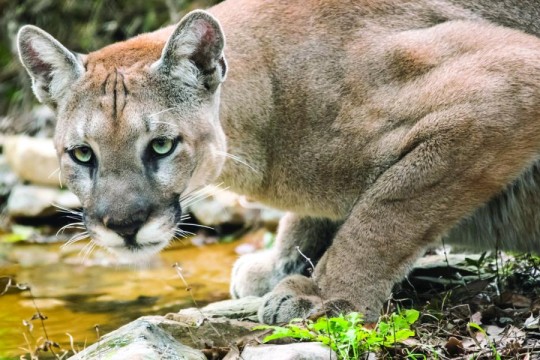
x=204, y=317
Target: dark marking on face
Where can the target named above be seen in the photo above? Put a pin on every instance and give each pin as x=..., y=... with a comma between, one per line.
x=126, y=91
x=104, y=85
x=151, y=164
x=146, y=121
x=92, y=172
x=115, y=115
x=177, y=208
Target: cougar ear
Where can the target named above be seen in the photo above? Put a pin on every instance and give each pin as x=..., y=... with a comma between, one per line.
x=51, y=66
x=194, y=52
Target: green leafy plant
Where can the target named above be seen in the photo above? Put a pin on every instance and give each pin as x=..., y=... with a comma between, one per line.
x=346, y=334
x=494, y=351
x=478, y=264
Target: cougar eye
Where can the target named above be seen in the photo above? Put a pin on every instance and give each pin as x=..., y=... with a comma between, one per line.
x=82, y=155
x=162, y=146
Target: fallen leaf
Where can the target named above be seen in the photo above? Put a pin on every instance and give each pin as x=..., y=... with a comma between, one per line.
x=476, y=318
x=515, y=300
x=454, y=346
x=535, y=306
x=532, y=322
x=494, y=330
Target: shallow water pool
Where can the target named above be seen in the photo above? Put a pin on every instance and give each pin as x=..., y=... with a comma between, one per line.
x=77, y=296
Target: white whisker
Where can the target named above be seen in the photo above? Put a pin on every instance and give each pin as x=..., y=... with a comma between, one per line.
x=196, y=225
x=162, y=111
x=60, y=178
x=86, y=251
x=194, y=194
x=194, y=199
x=201, y=190
x=75, y=225
x=155, y=122
x=185, y=217
x=181, y=240
x=72, y=217
x=204, y=193
x=236, y=158
x=184, y=233
x=75, y=238
x=176, y=236
x=66, y=210
x=53, y=172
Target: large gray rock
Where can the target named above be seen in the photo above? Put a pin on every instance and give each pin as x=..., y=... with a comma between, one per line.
x=244, y=308
x=176, y=336
x=141, y=339
x=192, y=333
x=36, y=201
x=298, y=351
x=32, y=159
x=218, y=324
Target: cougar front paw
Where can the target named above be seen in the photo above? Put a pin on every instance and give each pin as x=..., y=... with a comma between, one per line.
x=298, y=297
x=279, y=307
x=252, y=275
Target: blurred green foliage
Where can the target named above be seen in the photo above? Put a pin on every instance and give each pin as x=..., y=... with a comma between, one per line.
x=82, y=26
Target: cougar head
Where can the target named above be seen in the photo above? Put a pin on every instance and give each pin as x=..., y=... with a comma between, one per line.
x=137, y=126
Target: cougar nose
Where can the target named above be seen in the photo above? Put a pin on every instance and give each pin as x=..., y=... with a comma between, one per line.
x=126, y=228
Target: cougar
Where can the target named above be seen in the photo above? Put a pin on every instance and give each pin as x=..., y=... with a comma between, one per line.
x=380, y=126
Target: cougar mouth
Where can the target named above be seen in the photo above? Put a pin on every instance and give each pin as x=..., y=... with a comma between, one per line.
x=132, y=245
x=147, y=241
x=138, y=234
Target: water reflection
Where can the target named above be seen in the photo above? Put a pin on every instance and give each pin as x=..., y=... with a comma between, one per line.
x=75, y=297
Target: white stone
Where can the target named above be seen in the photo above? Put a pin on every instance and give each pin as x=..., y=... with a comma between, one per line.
x=179, y=336
x=8, y=179
x=36, y=201
x=297, y=351
x=220, y=207
x=244, y=308
x=270, y=217
x=140, y=339
x=32, y=159
x=225, y=207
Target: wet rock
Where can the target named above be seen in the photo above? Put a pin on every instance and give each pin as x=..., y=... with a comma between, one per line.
x=32, y=159
x=218, y=324
x=176, y=336
x=244, y=308
x=144, y=338
x=193, y=332
x=186, y=333
x=298, y=351
x=36, y=201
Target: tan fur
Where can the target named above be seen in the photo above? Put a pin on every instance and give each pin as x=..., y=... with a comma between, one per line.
x=380, y=125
